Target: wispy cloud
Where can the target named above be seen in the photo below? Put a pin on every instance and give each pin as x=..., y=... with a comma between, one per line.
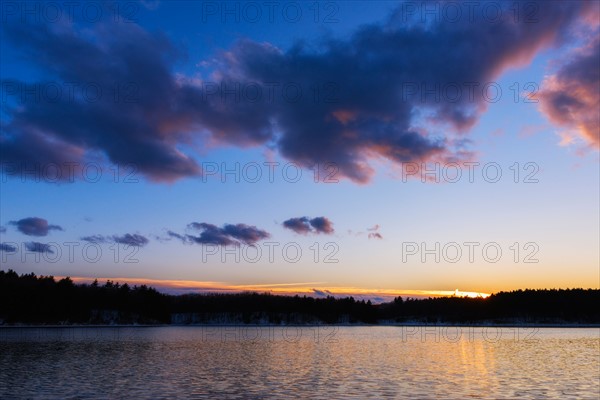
x=129, y=239
x=374, y=232
x=38, y=247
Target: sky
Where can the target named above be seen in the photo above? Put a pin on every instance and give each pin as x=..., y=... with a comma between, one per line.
x=373, y=149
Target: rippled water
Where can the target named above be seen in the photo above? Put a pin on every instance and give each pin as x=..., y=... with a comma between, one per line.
x=299, y=362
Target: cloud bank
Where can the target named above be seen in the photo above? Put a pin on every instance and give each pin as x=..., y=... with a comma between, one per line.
x=383, y=93
x=570, y=98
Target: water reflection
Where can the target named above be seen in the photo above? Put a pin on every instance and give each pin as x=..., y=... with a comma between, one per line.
x=306, y=362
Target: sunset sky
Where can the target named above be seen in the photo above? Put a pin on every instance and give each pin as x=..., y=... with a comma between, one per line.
x=203, y=145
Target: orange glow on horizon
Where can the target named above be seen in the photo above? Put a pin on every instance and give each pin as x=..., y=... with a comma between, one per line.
x=300, y=288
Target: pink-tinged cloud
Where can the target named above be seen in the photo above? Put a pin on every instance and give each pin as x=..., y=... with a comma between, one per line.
x=375, y=84
x=570, y=98
x=374, y=232
x=305, y=225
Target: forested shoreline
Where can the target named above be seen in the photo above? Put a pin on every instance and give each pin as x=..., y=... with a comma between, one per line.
x=29, y=299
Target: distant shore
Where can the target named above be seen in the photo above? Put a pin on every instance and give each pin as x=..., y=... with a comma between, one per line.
x=41, y=301
x=405, y=324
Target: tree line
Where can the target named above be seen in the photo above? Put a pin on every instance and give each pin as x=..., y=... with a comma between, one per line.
x=31, y=299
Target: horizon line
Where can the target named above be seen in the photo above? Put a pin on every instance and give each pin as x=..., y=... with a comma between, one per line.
x=317, y=289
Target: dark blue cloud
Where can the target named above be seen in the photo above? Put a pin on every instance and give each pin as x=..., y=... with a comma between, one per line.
x=128, y=239
x=174, y=235
x=34, y=226
x=7, y=247
x=96, y=239
x=227, y=235
x=37, y=247
x=304, y=225
x=372, y=104
x=299, y=225
x=128, y=126
x=322, y=225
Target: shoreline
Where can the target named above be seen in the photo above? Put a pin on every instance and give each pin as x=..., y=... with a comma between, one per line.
x=441, y=325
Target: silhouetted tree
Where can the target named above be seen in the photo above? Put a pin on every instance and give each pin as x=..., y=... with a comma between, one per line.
x=43, y=300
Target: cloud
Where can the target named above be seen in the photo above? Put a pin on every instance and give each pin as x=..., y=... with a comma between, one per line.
x=227, y=235
x=304, y=225
x=96, y=239
x=131, y=240
x=377, y=75
x=7, y=247
x=135, y=240
x=299, y=225
x=170, y=235
x=374, y=232
x=37, y=247
x=34, y=226
x=570, y=98
x=322, y=225
x=130, y=120
x=245, y=234
x=2, y=229
x=371, y=104
x=174, y=235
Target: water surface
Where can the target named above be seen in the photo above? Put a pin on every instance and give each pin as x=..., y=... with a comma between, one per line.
x=299, y=362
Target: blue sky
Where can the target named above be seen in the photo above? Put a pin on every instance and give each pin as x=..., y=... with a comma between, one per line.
x=167, y=139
